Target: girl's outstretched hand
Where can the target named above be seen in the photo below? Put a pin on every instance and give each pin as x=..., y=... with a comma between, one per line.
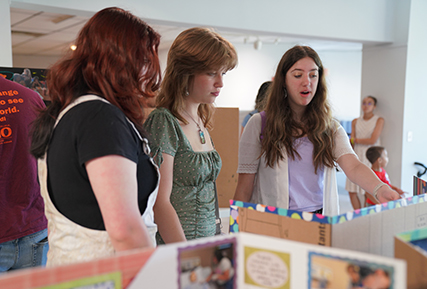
x=386, y=194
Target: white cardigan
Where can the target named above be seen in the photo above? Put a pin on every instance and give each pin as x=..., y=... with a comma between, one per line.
x=271, y=185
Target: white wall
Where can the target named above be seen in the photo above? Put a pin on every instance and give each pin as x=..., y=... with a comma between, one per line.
x=415, y=101
x=255, y=67
x=383, y=71
x=344, y=75
x=5, y=35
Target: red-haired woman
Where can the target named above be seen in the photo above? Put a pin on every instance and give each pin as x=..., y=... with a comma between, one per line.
x=97, y=179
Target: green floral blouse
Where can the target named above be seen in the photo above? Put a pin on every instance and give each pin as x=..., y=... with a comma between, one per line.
x=194, y=174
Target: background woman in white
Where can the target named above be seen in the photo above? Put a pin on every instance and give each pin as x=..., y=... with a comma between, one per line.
x=365, y=132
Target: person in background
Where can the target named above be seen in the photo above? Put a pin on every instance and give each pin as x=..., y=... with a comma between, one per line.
x=377, y=156
x=182, y=147
x=260, y=102
x=23, y=229
x=365, y=132
x=288, y=153
x=96, y=176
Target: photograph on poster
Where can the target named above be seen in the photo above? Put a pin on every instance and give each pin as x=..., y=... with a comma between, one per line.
x=327, y=272
x=207, y=266
x=266, y=268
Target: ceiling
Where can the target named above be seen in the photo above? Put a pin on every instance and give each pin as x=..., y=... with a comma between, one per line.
x=51, y=34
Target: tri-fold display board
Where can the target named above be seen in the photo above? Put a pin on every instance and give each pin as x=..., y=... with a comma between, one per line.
x=263, y=262
x=252, y=261
x=369, y=230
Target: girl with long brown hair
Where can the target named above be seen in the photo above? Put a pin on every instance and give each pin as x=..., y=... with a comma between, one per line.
x=97, y=179
x=182, y=147
x=288, y=154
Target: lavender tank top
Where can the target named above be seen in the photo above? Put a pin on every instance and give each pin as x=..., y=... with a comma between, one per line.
x=305, y=187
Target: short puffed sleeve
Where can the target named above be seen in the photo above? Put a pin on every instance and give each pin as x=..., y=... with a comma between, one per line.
x=163, y=130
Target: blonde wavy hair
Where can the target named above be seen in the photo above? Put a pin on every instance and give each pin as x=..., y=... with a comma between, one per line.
x=281, y=129
x=195, y=50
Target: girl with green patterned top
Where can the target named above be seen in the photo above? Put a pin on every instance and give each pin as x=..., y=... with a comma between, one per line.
x=181, y=145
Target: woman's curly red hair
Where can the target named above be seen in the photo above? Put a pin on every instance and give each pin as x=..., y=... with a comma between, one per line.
x=116, y=58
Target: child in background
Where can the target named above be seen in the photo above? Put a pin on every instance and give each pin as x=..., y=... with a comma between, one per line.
x=377, y=155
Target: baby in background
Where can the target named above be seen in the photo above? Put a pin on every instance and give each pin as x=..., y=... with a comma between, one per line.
x=377, y=155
